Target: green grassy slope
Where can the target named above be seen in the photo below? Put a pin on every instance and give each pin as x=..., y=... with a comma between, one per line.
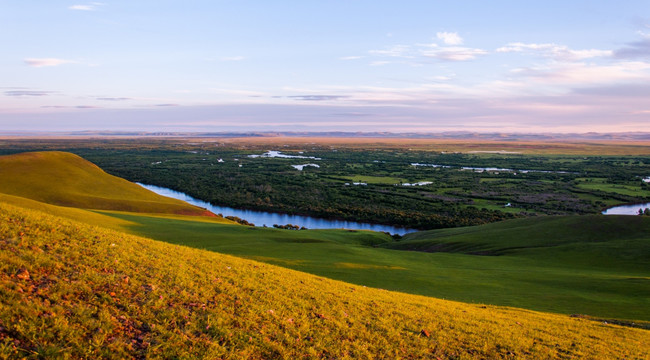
x=65, y=179
x=575, y=278
x=70, y=290
x=596, y=240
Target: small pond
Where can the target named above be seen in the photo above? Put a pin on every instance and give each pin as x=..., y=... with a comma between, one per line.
x=626, y=209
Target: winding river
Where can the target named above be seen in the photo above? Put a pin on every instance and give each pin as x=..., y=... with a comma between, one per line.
x=264, y=218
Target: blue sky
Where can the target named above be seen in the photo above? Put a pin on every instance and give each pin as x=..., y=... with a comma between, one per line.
x=354, y=65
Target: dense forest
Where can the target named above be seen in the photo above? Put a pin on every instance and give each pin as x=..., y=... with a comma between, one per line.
x=417, y=189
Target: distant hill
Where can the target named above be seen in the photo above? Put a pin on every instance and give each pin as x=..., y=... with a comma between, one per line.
x=65, y=179
x=70, y=290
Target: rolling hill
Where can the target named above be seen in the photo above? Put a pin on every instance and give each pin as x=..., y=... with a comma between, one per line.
x=71, y=290
x=65, y=179
x=607, y=279
x=600, y=241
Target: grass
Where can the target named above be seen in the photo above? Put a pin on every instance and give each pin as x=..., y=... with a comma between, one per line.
x=546, y=264
x=71, y=290
x=630, y=190
x=65, y=179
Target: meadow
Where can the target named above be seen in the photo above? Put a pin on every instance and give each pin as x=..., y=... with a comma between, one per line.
x=72, y=290
x=595, y=266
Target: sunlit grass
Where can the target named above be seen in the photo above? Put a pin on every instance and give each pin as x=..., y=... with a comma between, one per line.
x=71, y=290
x=66, y=179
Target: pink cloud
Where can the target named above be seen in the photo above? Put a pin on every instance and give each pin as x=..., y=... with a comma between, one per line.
x=44, y=62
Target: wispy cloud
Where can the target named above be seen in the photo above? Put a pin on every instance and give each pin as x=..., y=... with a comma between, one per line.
x=113, y=98
x=43, y=62
x=557, y=52
x=27, y=93
x=87, y=7
x=393, y=51
x=634, y=50
x=580, y=74
x=70, y=107
x=317, y=97
x=450, y=38
x=451, y=53
x=447, y=52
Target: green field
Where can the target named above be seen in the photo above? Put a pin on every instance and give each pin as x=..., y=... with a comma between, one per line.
x=591, y=265
x=602, y=185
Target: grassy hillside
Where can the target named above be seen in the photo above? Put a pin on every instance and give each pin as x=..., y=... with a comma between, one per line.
x=70, y=290
x=605, y=241
x=608, y=278
x=65, y=179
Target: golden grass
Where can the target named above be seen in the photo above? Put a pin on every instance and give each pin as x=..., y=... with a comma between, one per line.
x=85, y=216
x=66, y=179
x=204, y=219
x=71, y=290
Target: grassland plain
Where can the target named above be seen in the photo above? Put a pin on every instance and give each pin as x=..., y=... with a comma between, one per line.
x=71, y=290
x=595, y=147
x=65, y=179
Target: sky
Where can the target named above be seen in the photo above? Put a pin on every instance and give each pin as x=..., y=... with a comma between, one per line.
x=328, y=65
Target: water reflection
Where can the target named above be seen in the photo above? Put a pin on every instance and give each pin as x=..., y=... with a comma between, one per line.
x=261, y=218
x=626, y=209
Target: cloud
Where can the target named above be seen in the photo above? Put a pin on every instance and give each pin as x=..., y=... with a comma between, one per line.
x=351, y=57
x=113, y=98
x=444, y=53
x=452, y=53
x=27, y=93
x=43, y=62
x=576, y=74
x=450, y=38
x=557, y=52
x=637, y=49
x=166, y=105
x=394, y=51
x=88, y=7
x=317, y=97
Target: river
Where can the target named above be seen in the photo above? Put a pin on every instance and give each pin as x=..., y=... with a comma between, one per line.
x=626, y=209
x=262, y=218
